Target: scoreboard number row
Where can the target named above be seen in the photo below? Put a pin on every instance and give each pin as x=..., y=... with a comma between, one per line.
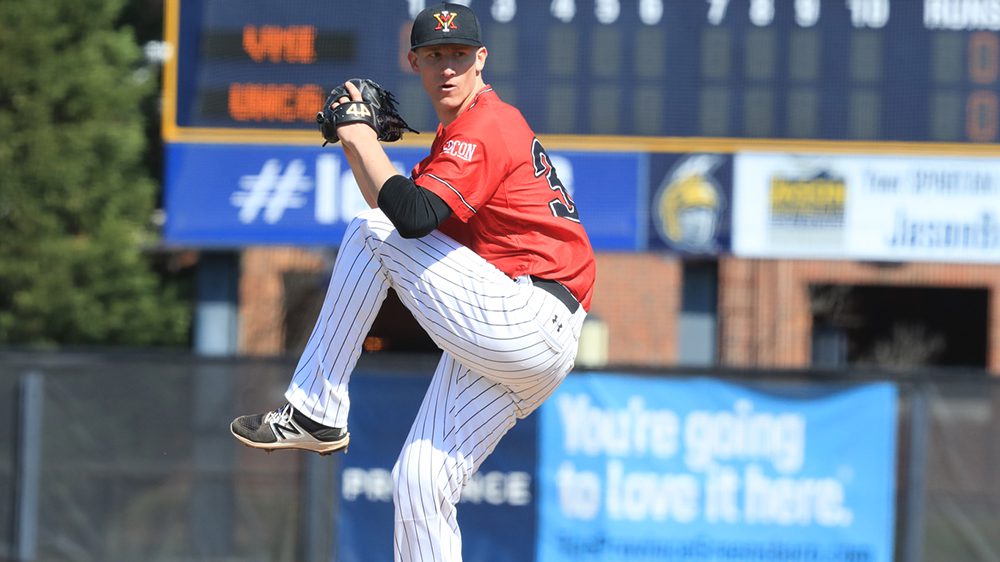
x=864, y=13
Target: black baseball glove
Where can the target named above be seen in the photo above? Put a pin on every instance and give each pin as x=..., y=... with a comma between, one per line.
x=377, y=110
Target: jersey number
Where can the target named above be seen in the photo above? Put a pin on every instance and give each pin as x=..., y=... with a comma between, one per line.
x=561, y=207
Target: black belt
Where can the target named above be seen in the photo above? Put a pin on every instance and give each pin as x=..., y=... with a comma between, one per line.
x=557, y=290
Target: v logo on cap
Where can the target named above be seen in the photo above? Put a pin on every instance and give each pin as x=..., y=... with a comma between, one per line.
x=446, y=21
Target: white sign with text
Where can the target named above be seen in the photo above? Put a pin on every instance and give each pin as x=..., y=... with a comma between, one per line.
x=876, y=208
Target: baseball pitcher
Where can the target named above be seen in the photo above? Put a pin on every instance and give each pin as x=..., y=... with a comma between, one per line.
x=484, y=246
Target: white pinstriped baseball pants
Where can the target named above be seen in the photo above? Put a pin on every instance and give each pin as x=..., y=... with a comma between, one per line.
x=507, y=346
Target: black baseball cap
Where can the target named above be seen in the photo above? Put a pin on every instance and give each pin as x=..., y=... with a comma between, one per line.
x=445, y=23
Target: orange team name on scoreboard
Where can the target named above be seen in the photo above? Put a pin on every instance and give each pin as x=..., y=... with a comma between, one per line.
x=285, y=103
x=292, y=44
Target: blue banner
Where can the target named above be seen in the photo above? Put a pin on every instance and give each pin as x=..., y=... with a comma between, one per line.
x=236, y=195
x=498, y=506
x=639, y=469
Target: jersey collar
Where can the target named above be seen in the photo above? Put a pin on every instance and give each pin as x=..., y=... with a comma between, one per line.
x=487, y=89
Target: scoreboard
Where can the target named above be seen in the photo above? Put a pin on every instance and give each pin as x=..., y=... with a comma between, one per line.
x=672, y=74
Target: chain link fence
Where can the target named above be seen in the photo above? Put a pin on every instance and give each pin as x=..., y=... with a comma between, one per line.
x=117, y=457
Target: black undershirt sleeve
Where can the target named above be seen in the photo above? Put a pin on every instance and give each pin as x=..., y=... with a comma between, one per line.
x=413, y=210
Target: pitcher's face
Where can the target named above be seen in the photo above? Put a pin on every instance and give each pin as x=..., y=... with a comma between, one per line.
x=451, y=75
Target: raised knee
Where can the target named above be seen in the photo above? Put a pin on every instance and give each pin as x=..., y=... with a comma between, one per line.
x=369, y=216
x=373, y=221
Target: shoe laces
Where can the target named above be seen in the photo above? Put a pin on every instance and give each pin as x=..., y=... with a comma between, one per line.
x=281, y=415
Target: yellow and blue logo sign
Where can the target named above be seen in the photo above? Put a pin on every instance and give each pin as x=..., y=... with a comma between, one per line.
x=687, y=208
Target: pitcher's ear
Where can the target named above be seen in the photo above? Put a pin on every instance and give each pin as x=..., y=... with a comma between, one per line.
x=481, y=55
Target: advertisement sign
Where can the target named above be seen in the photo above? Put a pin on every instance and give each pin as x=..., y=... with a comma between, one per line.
x=498, y=506
x=639, y=469
x=866, y=208
x=690, y=202
x=234, y=195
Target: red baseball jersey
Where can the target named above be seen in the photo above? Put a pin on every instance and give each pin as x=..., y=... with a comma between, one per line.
x=507, y=202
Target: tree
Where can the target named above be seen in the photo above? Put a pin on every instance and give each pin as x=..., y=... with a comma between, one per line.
x=75, y=196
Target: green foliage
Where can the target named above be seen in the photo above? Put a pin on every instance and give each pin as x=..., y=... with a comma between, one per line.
x=75, y=195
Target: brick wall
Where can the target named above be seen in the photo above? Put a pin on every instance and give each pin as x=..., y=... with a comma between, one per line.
x=638, y=297
x=765, y=318
x=764, y=309
x=262, y=296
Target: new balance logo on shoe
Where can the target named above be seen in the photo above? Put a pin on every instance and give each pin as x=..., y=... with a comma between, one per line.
x=280, y=430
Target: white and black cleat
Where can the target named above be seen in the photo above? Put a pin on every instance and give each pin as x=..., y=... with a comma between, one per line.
x=285, y=428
